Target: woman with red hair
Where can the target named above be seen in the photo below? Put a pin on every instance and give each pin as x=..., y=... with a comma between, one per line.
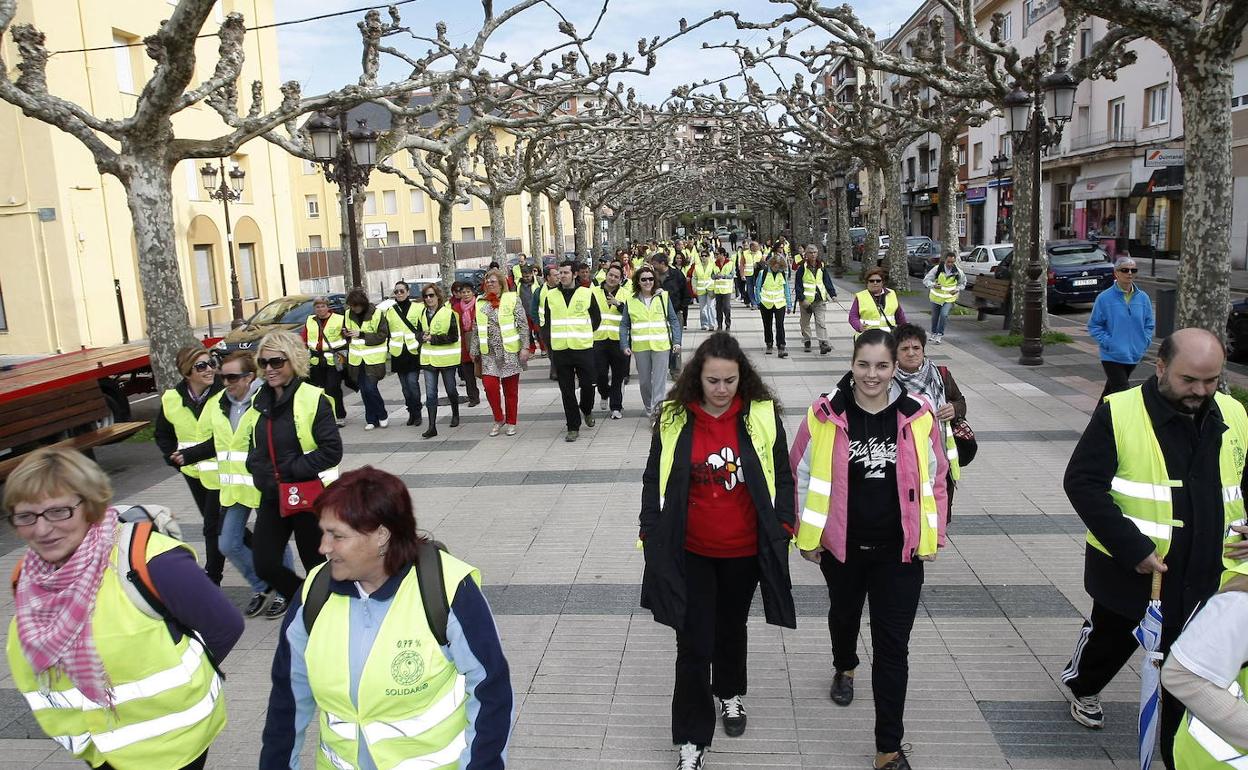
x=394, y=675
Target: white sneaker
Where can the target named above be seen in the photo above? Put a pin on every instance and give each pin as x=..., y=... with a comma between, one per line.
x=691, y=757
x=937, y=338
x=384, y=423
x=1087, y=711
x=617, y=415
x=342, y=423
x=369, y=426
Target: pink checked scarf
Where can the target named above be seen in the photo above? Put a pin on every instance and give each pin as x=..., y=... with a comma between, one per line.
x=54, y=609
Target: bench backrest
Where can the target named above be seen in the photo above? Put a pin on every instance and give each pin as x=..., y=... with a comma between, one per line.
x=990, y=288
x=48, y=414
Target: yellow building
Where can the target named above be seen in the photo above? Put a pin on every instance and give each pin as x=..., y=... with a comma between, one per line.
x=67, y=230
x=401, y=221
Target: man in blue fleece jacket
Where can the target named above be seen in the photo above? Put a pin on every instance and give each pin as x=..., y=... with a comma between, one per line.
x=1122, y=325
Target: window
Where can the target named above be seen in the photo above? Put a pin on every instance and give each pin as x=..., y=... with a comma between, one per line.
x=314, y=242
x=978, y=154
x=923, y=161
x=1085, y=43
x=961, y=154
x=127, y=62
x=468, y=234
x=205, y=276
x=419, y=237
x=1156, y=106
x=193, y=180
x=370, y=203
x=390, y=201
x=310, y=167
x=1007, y=27
x=466, y=205
x=1006, y=148
x=933, y=158
x=313, y=205
x=247, y=284
x=392, y=237
x=486, y=233
x=1117, y=119
x=417, y=201
x=910, y=169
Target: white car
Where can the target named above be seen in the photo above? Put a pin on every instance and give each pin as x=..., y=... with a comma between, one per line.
x=882, y=251
x=981, y=260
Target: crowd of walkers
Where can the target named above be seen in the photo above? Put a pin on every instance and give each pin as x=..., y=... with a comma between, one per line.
x=119, y=635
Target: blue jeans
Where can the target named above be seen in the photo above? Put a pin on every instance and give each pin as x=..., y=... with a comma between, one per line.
x=707, y=304
x=448, y=383
x=410, y=383
x=940, y=314
x=370, y=394
x=233, y=522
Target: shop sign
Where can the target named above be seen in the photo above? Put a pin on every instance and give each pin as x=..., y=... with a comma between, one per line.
x=1164, y=157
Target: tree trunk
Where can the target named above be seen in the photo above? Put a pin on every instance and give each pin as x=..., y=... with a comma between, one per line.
x=948, y=176
x=1024, y=238
x=535, y=227
x=580, y=243
x=446, y=260
x=874, y=222
x=895, y=261
x=556, y=226
x=498, y=231
x=149, y=195
x=1205, y=266
x=844, y=246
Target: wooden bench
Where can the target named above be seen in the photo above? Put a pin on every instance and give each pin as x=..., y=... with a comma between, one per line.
x=74, y=416
x=989, y=292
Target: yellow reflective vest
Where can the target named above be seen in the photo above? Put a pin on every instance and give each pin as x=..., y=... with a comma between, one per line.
x=945, y=290
x=1141, y=487
x=410, y=709
x=359, y=352
x=648, y=324
x=401, y=337
x=506, y=324
x=749, y=259
x=812, y=285
x=869, y=312
x=703, y=276
x=190, y=430
x=331, y=342
x=772, y=296
x=447, y=354
x=609, y=327
x=724, y=275
x=237, y=483
x=307, y=400
x=570, y=324
x=1196, y=745
x=760, y=424
x=167, y=707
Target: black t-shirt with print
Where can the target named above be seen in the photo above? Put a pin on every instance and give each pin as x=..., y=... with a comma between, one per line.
x=874, y=513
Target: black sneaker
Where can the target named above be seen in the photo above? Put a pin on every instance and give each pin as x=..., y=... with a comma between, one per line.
x=806, y=345
x=1087, y=711
x=589, y=419
x=692, y=757
x=842, y=692
x=276, y=610
x=733, y=712
x=768, y=351
x=824, y=348
x=257, y=604
x=783, y=353
x=898, y=762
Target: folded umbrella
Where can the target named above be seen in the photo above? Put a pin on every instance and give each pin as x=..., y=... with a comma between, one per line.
x=1148, y=634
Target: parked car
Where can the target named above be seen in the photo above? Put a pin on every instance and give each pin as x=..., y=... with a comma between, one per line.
x=1078, y=271
x=722, y=232
x=982, y=260
x=882, y=250
x=1237, y=329
x=290, y=312
x=470, y=276
x=924, y=257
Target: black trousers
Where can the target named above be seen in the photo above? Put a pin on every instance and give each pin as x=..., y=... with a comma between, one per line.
x=197, y=764
x=723, y=311
x=1116, y=376
x=611, y=365
x=893, y=588
x=572, y=366
x=711, y=648
x=773, y=317
x=1106, y=643
x=208, y=501
x=468, y=373
x=327, y=377
x=268, y=545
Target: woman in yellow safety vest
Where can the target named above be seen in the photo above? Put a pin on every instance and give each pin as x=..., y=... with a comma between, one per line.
x=108, y=677
x=716, y=521
x=870, y=469
x=877, y=306
x=180, y=424
x=438, y=329
x=649, y=332
x=500, y=345
x=773, y=295
x=368, y=330
x=392, y=641
x=944, y=281
x=328, y=350
x=725, y=273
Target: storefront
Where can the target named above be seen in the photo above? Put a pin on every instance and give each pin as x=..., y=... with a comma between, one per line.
x=975, y=199
x=1158, y=209
x=1101, y=210
x=1003, y=213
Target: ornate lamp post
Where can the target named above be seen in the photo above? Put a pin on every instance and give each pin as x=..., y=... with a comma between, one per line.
x=1026, y=113
x=226, y=191
x=348, y=157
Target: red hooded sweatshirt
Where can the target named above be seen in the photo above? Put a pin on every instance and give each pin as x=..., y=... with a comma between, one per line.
x=722, y=522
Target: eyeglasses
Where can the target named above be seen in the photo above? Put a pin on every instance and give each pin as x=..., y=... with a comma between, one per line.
x=203, y=366
x=28, y=518
x=233, y=377
x=875, y=280
x=1131, y=270
x=277, y=362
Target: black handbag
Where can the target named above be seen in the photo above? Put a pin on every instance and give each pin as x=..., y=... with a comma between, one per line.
x=964, y=439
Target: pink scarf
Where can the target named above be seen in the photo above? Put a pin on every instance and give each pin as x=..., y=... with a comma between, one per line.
x=54, y=609
x=467, y=313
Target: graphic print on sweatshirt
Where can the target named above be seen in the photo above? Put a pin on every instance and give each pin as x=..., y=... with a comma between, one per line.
x=873, y=456
x=722, y=467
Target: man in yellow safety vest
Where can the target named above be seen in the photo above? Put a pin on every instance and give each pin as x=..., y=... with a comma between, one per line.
x=570, y=315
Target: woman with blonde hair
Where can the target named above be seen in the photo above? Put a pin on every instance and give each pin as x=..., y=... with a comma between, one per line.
x=83, y=647
x=295, y=439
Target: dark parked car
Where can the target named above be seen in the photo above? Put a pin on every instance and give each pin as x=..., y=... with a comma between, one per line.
x=1237, y=328
x=923, y=257
x=1078, y=271
x=289, y=313
x=471, y=276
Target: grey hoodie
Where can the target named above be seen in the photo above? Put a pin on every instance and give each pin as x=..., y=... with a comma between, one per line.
x=240, y=407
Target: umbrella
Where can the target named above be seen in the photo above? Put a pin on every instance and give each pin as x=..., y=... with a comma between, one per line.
x=1148, y=634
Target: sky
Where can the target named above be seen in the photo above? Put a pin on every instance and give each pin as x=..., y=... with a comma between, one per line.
x=324, y=55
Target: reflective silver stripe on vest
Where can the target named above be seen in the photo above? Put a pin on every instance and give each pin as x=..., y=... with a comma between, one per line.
x=1213, y=743
x=1142, y=490
x=1232, y=494
x=329, y=476
x=437, y=759
x=187, y=444
x=118, y=739
x=237, y=457
x=237, y=478
x=343, y=728
x=1151, y=528
x=421, y=723
x=334, y=760
x=75, y=744
x=814, y=518
x=820, y=486
x=153, y=684
x=360, y=350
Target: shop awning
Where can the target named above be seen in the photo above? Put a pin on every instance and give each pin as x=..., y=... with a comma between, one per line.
x=1091, y=188
x=1165, y=182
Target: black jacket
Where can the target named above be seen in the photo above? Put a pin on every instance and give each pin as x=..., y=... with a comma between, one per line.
x=677, y=287
x=663, y=530
x=1194, y=562
x=292, y=463
x=163, y=433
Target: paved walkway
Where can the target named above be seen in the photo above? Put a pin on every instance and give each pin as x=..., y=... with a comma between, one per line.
x=551, y=525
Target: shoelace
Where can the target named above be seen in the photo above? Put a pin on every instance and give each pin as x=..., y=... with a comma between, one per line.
x=689, y=755
x=733, y=707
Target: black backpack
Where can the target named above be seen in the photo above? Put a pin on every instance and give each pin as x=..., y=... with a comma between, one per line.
x=429, y=577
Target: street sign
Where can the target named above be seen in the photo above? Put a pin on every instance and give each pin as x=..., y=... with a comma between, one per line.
x=1164, y=157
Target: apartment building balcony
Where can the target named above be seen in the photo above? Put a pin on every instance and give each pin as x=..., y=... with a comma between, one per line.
x=1102, y=139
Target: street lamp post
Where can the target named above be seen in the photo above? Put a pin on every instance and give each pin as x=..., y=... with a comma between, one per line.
x=229, y=189
x=1026, y=111
x=838, y=190
x=348, y=157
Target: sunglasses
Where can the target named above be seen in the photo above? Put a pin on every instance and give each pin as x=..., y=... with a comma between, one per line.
x=1131, y=270
x=400, y=291
x=203, y=366
x=875, y=280
x=234, y=377
x=277, y=362
x=646, y=279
